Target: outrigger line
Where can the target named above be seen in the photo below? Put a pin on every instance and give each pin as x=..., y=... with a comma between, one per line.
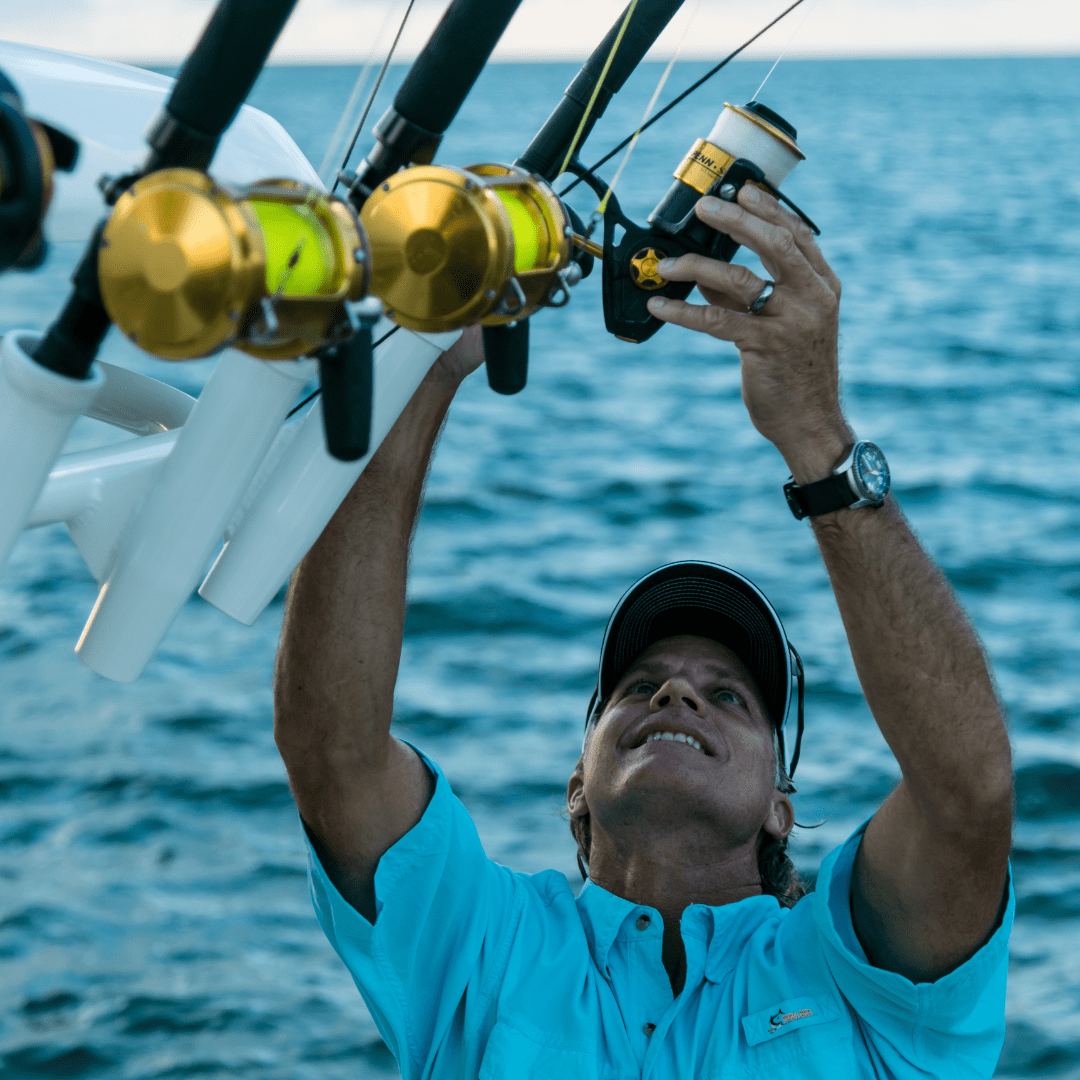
x=590, y=171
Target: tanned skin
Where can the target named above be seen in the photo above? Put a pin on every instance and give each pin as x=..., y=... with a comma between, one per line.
x=931, y=870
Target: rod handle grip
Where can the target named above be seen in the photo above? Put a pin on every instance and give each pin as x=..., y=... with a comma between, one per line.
x=506, y=356
x=346, y=375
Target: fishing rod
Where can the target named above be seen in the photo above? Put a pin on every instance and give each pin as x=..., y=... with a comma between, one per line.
x=186, y=266
x=30, y=151
x=488, y=243
x=53, y=380
x=445, y=252
x=440, y=246
x=752, y=144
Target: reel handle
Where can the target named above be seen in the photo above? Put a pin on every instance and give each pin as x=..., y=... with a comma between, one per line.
x=629, y=275
x=506, y=356
x=347, y=379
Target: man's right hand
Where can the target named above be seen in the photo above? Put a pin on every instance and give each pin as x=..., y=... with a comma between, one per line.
x=789, y=351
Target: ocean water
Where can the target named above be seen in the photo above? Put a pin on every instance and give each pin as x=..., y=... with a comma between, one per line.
x=154, y=917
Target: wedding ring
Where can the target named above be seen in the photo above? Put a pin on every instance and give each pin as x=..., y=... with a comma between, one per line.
x=763, y=298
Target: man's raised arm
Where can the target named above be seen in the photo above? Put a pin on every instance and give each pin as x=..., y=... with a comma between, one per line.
x=927, y=889
x=358, y=789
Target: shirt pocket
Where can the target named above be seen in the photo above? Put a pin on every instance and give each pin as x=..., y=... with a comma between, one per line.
x=512, y=1055
x=807, y=1031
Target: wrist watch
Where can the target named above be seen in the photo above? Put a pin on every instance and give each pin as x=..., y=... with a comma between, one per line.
x=861, y=479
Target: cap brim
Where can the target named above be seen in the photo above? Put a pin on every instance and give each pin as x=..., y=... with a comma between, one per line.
x=705, y=600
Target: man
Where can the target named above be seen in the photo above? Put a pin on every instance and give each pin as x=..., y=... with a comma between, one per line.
x=688, y=952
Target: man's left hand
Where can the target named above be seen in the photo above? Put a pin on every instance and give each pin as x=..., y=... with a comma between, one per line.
x=789, y=349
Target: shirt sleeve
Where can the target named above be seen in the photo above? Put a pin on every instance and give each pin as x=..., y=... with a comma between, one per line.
x=954, y=1026
x=444, y=915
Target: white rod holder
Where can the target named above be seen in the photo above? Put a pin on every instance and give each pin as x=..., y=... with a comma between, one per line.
x=165, y=546
x=301, y=496
x=37, y=411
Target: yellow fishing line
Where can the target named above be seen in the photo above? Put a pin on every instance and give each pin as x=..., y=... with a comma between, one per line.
x=602, y=208
x=294, y=235
x=600, y=82
x=526, y=240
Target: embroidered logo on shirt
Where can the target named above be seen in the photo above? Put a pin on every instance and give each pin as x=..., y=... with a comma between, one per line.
x=779, y=1018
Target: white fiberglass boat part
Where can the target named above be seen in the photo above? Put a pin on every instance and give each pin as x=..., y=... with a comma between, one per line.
x=147, y=513
x=297, y=500
x=37, y=411
x=165, y=546
x=93, y=491
x=107, y=107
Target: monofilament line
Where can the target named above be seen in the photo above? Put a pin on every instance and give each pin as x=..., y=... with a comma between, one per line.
x=374, y=93
x=602, y=208
x=684, y=95
x=599, y=84
x=783, y=51
x=350, y=106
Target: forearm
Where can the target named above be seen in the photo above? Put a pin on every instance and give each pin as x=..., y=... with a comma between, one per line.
x=920, y=664
x=341, y=639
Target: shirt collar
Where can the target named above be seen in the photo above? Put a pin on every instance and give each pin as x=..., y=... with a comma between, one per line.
x=603, y=915
x=725, y=929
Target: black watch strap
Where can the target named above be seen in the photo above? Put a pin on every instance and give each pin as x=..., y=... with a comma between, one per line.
x=821, y=497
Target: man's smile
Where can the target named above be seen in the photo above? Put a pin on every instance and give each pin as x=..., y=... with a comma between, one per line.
x=683, y=732
x=675, y=736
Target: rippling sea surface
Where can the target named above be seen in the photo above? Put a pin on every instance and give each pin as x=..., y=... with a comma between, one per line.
x=154, y=917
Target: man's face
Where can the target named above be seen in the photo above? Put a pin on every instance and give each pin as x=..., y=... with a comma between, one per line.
x=685, y=742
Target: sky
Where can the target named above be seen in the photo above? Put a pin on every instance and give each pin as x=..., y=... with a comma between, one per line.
x=162, y=31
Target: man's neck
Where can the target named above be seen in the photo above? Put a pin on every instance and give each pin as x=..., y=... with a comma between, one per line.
x=669, y=877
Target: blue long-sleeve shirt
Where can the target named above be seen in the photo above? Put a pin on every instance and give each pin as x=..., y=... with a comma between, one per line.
x=471, y=970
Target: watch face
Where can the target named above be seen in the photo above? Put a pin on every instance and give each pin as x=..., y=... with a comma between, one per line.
x=871, y=472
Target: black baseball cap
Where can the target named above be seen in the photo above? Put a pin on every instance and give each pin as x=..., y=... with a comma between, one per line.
x=711, y=601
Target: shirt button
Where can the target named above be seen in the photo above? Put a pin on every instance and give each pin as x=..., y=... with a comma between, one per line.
x=643, y=922
x=648, y=1029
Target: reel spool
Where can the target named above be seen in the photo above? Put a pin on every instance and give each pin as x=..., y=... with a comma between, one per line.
x=747, y=145
x=30, y=152
x=451, y=247
x=188, y=266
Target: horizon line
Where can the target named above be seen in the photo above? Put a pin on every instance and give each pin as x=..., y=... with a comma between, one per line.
x=349, y=60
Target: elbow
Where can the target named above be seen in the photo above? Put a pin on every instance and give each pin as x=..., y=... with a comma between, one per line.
x=980, y=807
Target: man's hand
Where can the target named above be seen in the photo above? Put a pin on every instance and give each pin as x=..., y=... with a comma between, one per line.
x=928, y=880
x=461, y=359
x=789, y=349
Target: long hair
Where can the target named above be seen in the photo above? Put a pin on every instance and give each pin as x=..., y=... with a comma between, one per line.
x=778, y=874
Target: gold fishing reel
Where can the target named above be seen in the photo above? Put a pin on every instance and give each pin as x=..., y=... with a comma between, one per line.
x=450, y=247
x=188, y=266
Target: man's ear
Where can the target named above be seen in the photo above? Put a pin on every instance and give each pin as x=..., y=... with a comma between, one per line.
x=575, y=791
x=781, y=819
